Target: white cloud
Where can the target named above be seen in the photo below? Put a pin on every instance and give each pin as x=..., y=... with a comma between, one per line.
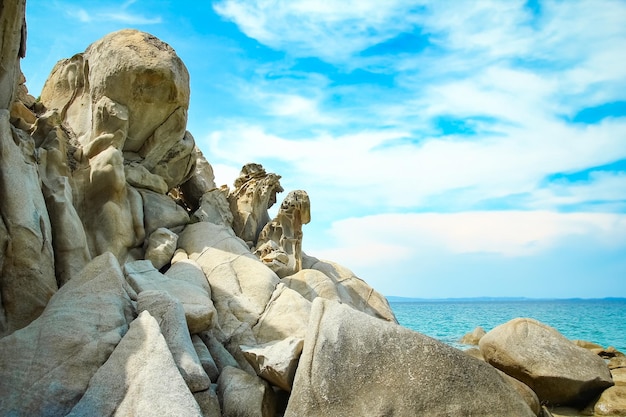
x=374, y=170
x=606, y=189
x=118, y=14
x=130, y=18
x=81, y=14
x=506, y=233
x=330, y=30
x=524, y=75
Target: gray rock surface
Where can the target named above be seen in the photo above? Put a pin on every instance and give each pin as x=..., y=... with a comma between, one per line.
x=276, y=361
x=26, y=253
x=195, y=300
x=139, y=379
x=555, y=368
x=244, y=395
x=170, y=316
x=45, y=367
x=356, y=365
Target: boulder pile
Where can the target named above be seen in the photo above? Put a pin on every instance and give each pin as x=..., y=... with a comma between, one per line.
x=132, y=285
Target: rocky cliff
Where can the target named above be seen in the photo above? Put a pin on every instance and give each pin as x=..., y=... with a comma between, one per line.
x=132, y=285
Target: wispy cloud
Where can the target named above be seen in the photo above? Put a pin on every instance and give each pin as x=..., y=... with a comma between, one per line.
x=521, y=253
x=80, y=14
x=513, y=76
x=331, y=30
x=129, y=18
x=114, y=14
x=504, y=233
x=395, y=173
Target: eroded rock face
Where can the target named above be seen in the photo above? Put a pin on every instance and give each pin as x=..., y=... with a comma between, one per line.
x=12, y=47
x=241, y=285
x=128, y=90
x=195, y=300
x=555, y=368
x=111, y=211
x=45, y=367
x=255, y=191
x=106, y=168
x=242, y=394
x=170, y=315
x=355, y=365
x=139, y=379
x=27, y=279
x=350, y=289
x=201, y=181
x=279, y=245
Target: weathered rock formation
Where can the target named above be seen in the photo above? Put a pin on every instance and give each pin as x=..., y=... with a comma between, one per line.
x=255, y=191
x=12, y=47
x=131, y=285
x=280, y=243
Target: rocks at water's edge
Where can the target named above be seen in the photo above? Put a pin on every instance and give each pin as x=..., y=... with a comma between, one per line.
x=344, y=371
x=131, y=285
x=555, y=368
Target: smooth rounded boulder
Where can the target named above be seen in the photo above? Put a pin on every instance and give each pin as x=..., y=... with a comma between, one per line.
x=551, y=365
x=354, y=364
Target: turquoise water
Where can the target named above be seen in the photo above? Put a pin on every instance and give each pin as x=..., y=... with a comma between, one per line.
x=598, y=321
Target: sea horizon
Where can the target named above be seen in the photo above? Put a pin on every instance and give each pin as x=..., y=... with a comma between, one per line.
x=398, y=299
x=597, y=320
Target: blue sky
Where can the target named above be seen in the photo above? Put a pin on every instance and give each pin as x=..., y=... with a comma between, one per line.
x=450, y=149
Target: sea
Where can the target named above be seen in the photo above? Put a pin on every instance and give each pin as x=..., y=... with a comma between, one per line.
x=602, y=321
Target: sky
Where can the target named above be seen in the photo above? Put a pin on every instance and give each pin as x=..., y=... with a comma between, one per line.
x=449, y=149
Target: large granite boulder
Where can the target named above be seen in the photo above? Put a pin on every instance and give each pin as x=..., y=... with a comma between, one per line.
x=311, y=284
x=161, y=246
x=111, y=210
x=45, y=367
x=139, y=379
x=170, y=316
x=241, y=286
x=612, y=402
x=551, y=365
x=355, y=365
x=276, y=361
x=244, y=395
x=195, y=299
x=128, y=90
x=162, y=211
x=353, y=290
x=286, y=314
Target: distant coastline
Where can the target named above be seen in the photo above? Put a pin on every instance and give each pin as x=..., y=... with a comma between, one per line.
x=396, y=299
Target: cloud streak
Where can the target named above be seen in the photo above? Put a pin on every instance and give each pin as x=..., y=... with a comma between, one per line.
x=116, y=14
